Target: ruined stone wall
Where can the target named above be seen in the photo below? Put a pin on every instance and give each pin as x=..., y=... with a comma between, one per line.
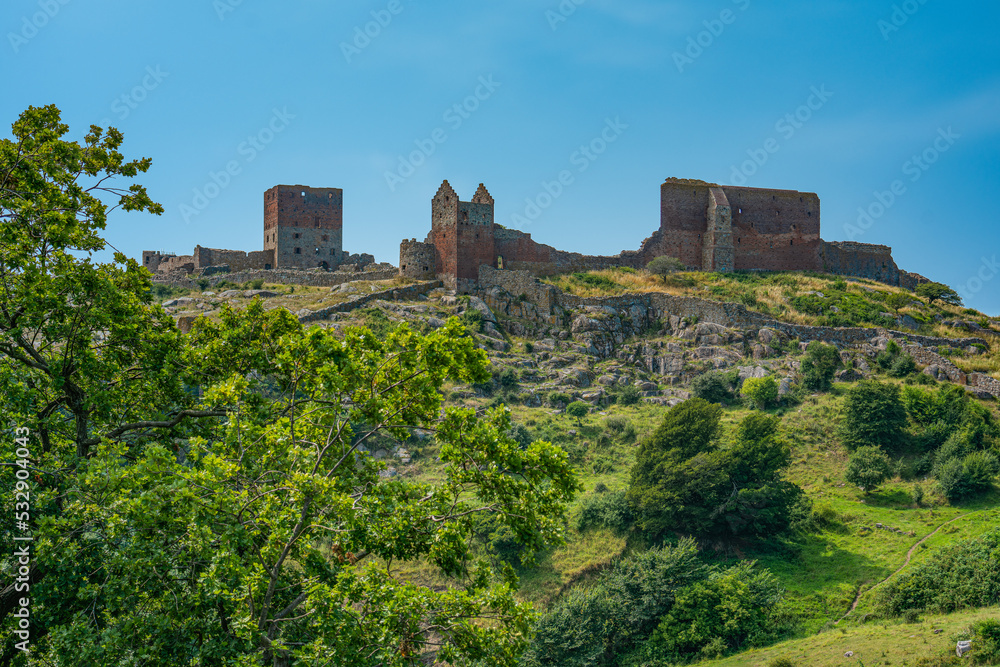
x=303, y=226
x=407, y=293
x=236, y=260
x=864, y=260
x=773, y=230
x=416, y=259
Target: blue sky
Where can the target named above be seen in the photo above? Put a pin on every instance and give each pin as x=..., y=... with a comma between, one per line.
x=849, y=93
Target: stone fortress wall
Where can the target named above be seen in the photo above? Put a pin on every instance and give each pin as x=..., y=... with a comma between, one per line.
x=707, y=227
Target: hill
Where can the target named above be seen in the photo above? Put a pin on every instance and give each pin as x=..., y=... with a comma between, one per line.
x=631, y=346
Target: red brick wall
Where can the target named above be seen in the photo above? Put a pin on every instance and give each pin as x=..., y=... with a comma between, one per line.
x=773, y=230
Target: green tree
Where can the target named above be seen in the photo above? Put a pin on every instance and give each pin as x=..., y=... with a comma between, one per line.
x=578, y=410
x=599, y=625
x=663, y=266
x=868, y=467
x=898, y=300
x=820, y=365
x=938, y=292
x=761, y=501
x=206, y=499
x=874, y=415
x=682, y=483
x=733, y=607
x=761, y=392
x=714, y=387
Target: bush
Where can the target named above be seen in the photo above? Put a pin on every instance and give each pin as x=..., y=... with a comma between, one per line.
x=599, y=625
x=762, y=392
x=714, y=387
x=663, y=266
x=529, y=347
x=903, y=365
x=868, y=468
x=257, y=283
x=615, y=424
x=202, y=283
x=558, y=399
x=607, y=510
x=874, y=416
x=729, y=611
x=579, y=410
x=986, y=642
x=507, y=378
x=520, y=434
x=629, y=395
x=819, y=366
x=960, y=576
x=472, y=319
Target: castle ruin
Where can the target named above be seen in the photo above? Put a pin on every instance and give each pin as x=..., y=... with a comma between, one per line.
x=708, y=227
x=303, y=229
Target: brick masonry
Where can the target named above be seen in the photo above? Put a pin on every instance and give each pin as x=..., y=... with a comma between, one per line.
x=708, y=227
x=303, y=229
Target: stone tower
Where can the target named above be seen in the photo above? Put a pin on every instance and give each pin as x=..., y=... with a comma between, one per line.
x=303, y=226
x=462, y=234
x=718, y=253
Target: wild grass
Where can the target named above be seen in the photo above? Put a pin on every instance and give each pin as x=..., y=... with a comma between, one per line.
x=874, y=644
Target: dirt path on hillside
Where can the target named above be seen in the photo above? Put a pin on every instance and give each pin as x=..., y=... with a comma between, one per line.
x=909, y=555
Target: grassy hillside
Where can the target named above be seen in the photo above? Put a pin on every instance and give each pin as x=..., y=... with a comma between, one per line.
x=853, y=541
x=929, y=642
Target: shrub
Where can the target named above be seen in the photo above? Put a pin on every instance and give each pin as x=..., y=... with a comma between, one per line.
x=558, y=399
x=713, y=387
x=873, y=416
x=986, y=642
x=607, y=510
x=781, y=662
x=903, y=365
x=961, y=576
x=730, y=610
x=868, y=468
x=579, y=410
x=663, y=266
x=629, y=395
x=472, y=319
x=529, y=347
x=615, y=424
x=599, y=625
x=203, y=283
x=760, y=391
x=257, y=283
x=507, y=378
x=819, y=366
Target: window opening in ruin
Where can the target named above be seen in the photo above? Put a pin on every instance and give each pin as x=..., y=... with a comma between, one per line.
x=303, y=193
x=791, y=242
x=425, y=268
x=298, y=251
x=317, y=251
x=404, y=267
x=267, y=267
x=333, y=251
x=296, y=236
